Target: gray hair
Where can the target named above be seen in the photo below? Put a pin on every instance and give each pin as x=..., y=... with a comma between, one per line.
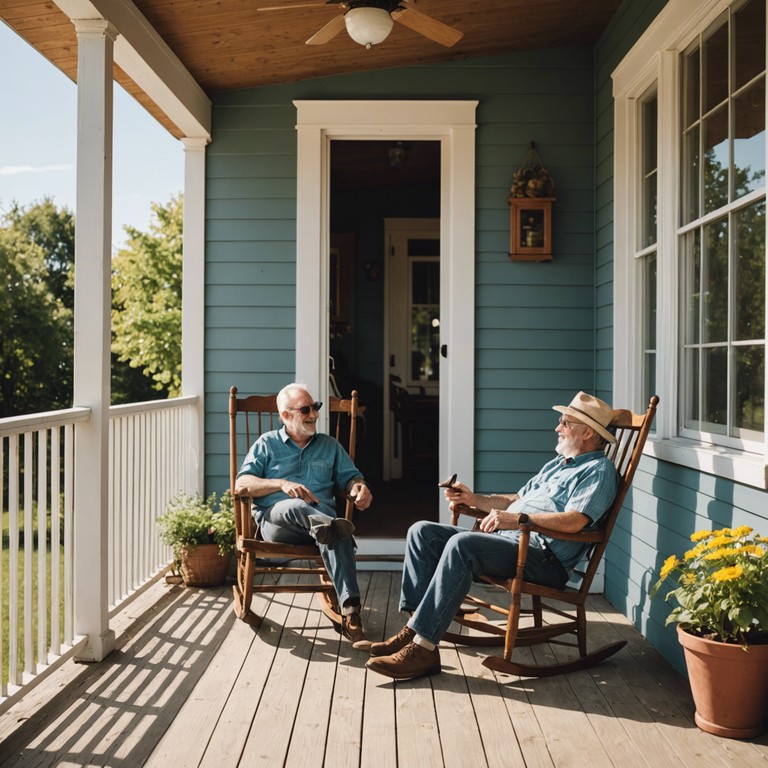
x=284, y=395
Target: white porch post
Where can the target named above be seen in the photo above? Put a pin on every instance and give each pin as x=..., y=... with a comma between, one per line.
x=93, y=235
x=193, y=300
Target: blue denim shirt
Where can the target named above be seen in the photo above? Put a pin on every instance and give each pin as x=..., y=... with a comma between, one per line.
x=322, y=465
x=586, y=484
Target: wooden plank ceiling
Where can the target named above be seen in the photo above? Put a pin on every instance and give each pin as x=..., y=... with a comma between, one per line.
x=230, y=45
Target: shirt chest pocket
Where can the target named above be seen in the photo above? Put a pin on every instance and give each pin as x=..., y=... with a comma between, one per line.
x=320, y=474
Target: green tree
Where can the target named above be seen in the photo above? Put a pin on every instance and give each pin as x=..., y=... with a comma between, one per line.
x=53, y=230
x=146, y=299
x=35, y=328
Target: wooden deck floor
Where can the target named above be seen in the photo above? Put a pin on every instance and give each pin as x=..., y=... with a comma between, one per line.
x=191, y=686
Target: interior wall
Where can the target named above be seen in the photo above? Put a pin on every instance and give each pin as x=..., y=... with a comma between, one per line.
x=359, y=355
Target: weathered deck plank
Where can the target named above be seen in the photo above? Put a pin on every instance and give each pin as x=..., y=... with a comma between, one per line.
x=382, y=619
x=189, y=685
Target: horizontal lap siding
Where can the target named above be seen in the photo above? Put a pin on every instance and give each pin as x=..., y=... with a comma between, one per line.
x=250, y=261
x=535, y=322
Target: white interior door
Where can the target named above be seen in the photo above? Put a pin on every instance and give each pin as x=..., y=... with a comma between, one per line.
x=412, y=334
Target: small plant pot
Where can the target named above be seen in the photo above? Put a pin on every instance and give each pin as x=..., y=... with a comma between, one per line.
x=729, y=685
x=203, y=566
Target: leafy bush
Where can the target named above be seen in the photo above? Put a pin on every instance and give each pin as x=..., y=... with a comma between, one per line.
x=191, y=520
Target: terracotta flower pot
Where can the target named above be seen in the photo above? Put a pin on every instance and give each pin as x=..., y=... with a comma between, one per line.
x=729, y=686
x=203, y=566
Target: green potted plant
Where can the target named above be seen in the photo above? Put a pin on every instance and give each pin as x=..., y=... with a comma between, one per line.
x=722, y=623
x=201, y=533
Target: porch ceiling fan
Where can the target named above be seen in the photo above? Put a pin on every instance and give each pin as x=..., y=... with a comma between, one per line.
x=369, y=22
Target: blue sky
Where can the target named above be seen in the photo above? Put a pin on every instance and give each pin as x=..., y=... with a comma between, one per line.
x=38, y=134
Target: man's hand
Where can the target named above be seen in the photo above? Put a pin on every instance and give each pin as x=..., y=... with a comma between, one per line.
x=564, y=522
x=500, y=520
x=361, y=494
x=458, y=493
x=298, y=491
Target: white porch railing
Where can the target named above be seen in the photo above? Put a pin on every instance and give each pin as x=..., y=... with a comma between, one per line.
x=150, y=461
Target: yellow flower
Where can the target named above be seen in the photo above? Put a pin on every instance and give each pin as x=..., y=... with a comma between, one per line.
x=718, y=554
x=695, y=552
x=718, y=541
x=751, y=549
x=742, y=530
x=728, y=574
x=700, y=535
x=668, y=566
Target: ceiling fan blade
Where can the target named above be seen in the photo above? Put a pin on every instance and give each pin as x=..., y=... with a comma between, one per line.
x=292, y=6
x=326, y=33
x=427, y=26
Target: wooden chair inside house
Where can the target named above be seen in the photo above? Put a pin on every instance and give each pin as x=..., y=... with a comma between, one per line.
x=555, y=612
x=249, y=417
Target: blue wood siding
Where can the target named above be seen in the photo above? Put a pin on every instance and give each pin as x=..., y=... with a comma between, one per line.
x=535, y=322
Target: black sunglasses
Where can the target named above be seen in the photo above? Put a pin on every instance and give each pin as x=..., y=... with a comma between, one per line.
x=305, y=409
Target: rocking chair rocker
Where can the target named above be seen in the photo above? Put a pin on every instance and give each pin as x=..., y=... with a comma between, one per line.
x=258, y=414
x=631, y=431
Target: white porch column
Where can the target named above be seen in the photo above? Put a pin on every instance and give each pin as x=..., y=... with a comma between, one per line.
x=93, y=236
x=193, y=301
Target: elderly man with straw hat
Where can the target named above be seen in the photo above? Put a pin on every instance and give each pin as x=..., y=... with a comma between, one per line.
x=570, y=493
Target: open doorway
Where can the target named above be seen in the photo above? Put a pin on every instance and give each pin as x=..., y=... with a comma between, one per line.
x=384, y=318
x=452, y=124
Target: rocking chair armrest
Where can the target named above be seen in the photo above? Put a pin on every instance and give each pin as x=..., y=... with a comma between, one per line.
x=587, y=537
x=458, y=508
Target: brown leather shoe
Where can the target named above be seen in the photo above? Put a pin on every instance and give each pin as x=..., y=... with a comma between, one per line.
x=394, y=643
x=337, y=530
x=409, y=662
x=352, y=629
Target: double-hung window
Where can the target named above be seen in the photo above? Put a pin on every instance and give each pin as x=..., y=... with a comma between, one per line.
x=690, y=282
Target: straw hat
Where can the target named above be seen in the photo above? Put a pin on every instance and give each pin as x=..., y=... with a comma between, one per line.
x=591, y=411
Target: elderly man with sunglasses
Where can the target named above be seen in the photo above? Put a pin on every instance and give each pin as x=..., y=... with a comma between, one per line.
x=570, y=493
x=292, y=474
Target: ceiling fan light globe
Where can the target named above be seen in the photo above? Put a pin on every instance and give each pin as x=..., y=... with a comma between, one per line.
x=368, y=26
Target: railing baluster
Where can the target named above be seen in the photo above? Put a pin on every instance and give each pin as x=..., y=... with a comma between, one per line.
x=55, y=646
x=29, y=542
x=69, y=533
x=13, y=560
x=42, y=548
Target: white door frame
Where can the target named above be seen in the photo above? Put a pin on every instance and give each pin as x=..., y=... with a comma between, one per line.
x=452, y=123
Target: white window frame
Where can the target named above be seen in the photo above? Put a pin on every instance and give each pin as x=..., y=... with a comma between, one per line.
x=654, y=62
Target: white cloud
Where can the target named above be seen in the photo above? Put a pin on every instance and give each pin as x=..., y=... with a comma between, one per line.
x=10, y=170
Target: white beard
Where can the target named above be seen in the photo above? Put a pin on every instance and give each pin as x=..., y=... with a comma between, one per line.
x=566, y=448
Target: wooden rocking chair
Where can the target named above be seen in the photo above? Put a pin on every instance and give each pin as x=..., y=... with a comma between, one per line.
x=258, y=414
x=631, y=431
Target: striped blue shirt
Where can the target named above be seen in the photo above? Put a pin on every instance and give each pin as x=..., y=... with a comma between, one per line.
x=586, y=484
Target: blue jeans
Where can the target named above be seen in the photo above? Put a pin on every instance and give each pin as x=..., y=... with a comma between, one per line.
x=442, y=560
x=290, y=522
